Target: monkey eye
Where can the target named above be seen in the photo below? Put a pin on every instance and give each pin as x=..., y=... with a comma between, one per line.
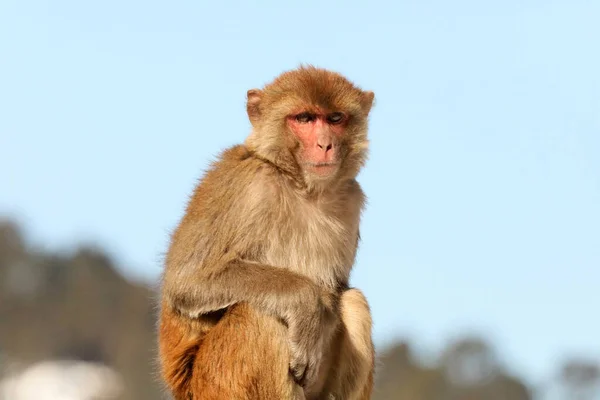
x=305, y=117
x=335, y=118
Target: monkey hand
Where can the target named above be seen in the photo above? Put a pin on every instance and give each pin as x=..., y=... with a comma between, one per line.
x=310, y=330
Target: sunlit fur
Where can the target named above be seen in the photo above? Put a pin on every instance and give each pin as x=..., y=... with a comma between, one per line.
x=262, y=242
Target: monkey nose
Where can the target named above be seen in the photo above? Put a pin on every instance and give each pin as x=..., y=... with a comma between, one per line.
x=325, y=146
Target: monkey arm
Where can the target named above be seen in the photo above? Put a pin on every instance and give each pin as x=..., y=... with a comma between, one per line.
x=273, y=290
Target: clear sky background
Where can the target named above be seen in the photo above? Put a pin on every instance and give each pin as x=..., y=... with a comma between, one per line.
x=484, y=177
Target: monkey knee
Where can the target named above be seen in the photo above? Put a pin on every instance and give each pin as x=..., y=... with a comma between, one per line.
x=356, y=317
x=355, y=308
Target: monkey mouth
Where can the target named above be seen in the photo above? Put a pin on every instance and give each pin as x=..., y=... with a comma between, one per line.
x=321, y=168
x=321, y=165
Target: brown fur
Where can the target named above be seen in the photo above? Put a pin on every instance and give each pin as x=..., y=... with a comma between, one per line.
x=256, y=277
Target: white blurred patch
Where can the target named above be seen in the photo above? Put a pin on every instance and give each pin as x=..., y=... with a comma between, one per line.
x=62, y=380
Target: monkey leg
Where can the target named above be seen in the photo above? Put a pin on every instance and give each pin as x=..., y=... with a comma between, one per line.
x=351, y=376
x=245, y=356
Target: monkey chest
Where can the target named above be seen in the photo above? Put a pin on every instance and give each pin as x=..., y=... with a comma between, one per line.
x=318, y=247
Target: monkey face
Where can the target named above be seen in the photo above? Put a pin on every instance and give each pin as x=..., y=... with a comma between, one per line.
x=311, y=121
x=320, y=135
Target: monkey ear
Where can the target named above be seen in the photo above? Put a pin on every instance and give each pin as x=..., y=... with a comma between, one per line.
x=254, y=97
x=366, y=101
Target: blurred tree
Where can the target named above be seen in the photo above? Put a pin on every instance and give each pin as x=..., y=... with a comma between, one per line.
x=580, y=380
x=11, y=240
x=469, y=362
x=468, y=370
x=400, y=377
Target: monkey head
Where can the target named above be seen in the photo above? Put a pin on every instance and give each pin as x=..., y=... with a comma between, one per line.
x=312, y=123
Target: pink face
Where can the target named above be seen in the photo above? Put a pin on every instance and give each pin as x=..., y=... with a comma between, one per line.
x=320, y=133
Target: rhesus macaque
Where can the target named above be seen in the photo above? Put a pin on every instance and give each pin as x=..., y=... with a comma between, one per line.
x=255, y=296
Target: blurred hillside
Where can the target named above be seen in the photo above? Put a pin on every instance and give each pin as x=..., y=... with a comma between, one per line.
x=78, y=307
x=75, y=307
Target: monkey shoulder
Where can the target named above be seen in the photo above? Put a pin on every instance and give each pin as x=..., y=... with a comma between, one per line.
x=237, y=183
x=225, y=207
x=257, y=179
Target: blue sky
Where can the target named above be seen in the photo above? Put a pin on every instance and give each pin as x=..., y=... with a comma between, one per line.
x=484, y=177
